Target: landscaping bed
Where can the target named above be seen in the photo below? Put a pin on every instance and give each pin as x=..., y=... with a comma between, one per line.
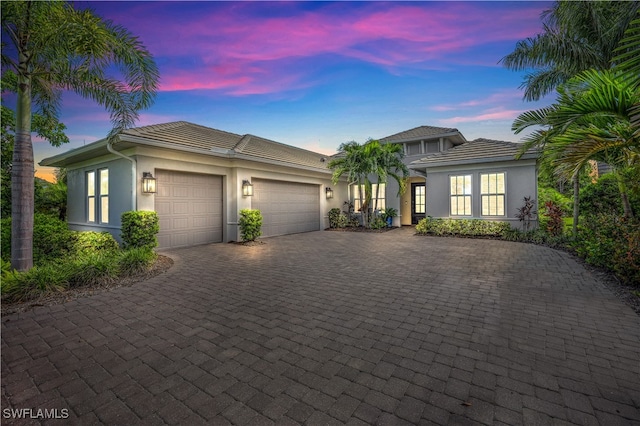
x=161, y=265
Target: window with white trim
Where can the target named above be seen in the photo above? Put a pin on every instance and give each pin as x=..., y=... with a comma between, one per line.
x=98, y=196
x=460, y=193
x=381, y=196
x=91, y=196
x=492, y=194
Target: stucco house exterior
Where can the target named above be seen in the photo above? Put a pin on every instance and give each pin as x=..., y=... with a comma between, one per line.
x=199, y=174
x=202, y=176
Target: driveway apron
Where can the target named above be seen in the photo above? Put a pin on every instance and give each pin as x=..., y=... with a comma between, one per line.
x=329, y=328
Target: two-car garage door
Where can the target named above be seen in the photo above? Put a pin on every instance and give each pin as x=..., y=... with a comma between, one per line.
x=189, y=207
x=286, y=207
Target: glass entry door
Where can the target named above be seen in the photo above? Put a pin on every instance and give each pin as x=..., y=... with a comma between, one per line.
x=418, y=202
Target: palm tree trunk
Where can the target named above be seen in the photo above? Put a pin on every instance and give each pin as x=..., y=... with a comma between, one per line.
x=576, y=204
x=22, y=182
x=626, y=206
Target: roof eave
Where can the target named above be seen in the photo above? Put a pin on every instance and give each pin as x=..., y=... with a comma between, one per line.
x=419, y=165
x=434, y=136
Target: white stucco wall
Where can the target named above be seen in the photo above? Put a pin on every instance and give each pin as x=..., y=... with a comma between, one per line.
x=521, y=181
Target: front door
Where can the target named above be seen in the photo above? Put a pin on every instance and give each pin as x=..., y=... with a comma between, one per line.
x=418, y=202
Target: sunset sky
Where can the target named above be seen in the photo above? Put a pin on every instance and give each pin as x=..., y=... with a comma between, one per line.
x=317, y=74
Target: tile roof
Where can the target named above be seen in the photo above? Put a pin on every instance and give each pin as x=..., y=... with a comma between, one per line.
x=182, y=134
x=476, y=151
x=417, y=133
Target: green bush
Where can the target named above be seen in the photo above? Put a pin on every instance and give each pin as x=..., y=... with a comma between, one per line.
x=335, y=218
x=47, y=278
x=136, y=260
x=93, y=268
x=92, y=242
x=550, y=194
x=377, y=223
x=467, y=227
x=51, y=238
x=250, y=224
x=611, y=242
x=139, y=229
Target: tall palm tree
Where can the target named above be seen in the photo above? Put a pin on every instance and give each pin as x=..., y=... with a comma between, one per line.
x=54, y=47
x=590, y=120
x=361, y=163
x=353, y=163
x=389, y=163
x=576, y=36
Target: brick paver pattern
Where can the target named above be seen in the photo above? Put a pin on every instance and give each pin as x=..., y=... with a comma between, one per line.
x=330, y=328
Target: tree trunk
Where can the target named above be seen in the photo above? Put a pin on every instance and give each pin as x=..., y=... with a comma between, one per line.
x=576, y=204
x=22, y=179
x=622, y=187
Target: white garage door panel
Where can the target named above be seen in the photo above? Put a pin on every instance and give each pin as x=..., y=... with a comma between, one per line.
x=189, y=207
x=286, y=207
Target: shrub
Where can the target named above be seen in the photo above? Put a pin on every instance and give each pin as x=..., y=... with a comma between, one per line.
x=139, y=229
x=93, y=268
x=92, y=242
x=334, y=218
x=554, y=224
x=39, y=280
x=51, y=238
x=527, y=212
x=377, y=223
x=250, y=224
x=550, y=194
x=613, y=243
x=468, y=227
x=136, y=260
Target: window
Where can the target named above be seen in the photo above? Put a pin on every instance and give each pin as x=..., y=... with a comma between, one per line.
x=492, y=194
x=98, y=196
x=433, y=147
x=414, y=148
x=91, y=196
x=381, y=196
x=104, y=196
x=460, y=189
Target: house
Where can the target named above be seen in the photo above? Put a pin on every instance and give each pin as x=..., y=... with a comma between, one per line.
x=202, y=178
x=198, y=179
x=453, y=178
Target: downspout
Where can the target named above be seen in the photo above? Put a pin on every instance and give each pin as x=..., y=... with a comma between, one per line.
x=134, y=175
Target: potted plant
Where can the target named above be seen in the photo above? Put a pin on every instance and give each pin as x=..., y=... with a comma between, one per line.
x=388, y=214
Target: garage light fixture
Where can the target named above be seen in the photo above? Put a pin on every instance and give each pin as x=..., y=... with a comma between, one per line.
x=329, y=192
x=247, y=188
x=148, y=183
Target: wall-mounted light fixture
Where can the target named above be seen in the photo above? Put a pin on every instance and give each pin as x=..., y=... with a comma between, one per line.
x=329, y=193
x=247, y=188
x=148, y=183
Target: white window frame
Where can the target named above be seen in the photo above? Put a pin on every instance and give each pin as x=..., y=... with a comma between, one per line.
x=382, y=196
x=461, y=199
x=97, y=195
x=90, y=179
x=493, y=197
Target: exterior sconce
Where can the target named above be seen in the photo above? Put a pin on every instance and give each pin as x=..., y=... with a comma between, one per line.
x=247, y=188
x=148, y=183
x=329, y=193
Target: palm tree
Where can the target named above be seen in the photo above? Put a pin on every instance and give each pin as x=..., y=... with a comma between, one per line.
x=54, y=47
x=590, y=120
x=389, y=163
x=577, y=36
x=361, y=162
x=353, y=163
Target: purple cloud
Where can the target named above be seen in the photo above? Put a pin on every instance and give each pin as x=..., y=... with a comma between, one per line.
x=252, y=48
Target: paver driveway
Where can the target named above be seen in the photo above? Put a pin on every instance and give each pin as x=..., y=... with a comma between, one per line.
x=330, y=328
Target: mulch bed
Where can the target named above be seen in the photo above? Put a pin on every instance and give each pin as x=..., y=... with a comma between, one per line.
x=162, y=264
x=361, y=229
